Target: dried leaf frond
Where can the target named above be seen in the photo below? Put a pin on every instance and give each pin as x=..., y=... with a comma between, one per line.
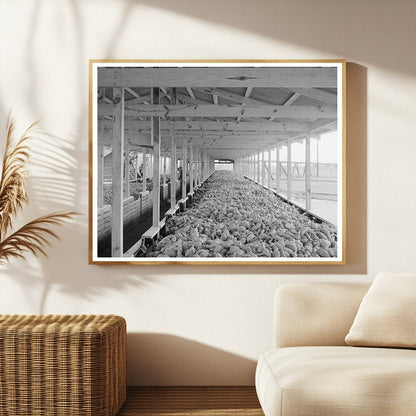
x=12, y=183
x=33, y=237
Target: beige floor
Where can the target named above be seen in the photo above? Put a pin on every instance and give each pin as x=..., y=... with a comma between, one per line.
x=187, y=401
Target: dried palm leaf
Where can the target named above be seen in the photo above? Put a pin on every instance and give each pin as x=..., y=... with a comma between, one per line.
x=33, y=237
x=12, y=183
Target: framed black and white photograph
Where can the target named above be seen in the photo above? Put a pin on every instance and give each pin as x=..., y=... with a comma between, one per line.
x=214, y=162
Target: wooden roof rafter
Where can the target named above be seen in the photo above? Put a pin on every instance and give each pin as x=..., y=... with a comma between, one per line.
x=223, y=107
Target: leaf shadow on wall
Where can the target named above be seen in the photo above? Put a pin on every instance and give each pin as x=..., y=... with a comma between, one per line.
x=59, y=180
x=53, y=186
x=164, y=359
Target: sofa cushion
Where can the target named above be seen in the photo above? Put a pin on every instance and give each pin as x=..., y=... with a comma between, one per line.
x=387, y=314
x=342, y=381
x=315, y=314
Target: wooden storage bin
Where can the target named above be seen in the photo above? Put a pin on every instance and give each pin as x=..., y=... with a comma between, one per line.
x=72, y=365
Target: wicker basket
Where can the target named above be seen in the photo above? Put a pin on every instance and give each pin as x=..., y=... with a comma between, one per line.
x=54, y=365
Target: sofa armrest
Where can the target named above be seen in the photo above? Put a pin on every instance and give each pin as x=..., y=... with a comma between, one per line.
x=309, y=314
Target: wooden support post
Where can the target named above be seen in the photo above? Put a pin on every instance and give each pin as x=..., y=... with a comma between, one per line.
x=155, y=132
x=203, y=166
x=126, y=192
x=195, y=157
x=262, y=166
x=308, y=194
x=258, y=167
x=100, y=174
x=191, y=168
x=198, y=168
x=117, y=174
x=269, y=168
x=206, y=166
x=173, y=170
x=144, y=170
x=277, y=168
x=136, y=174
x=289, y=170
x=164, y=170
x=248, y=166
x=173, y=160
x=184, y=166
x=318, y=138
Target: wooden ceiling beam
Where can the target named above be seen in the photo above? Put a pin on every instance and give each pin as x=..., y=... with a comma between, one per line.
x=190, y=92
x=292, y=99
x=213, y=133
x=105, y=137
x=246, y=95
x=144, y=139
x=296, y=77
x=252, y=136
x=145, y=100
x=212, y=110
x=166, y=93
x=325, y=97
x=288, y=102
x=235, y=146
x=198, y=126
x=323, y=126
x=139, y=100
x=133, y=93
x=189, y=100
x=231, y=96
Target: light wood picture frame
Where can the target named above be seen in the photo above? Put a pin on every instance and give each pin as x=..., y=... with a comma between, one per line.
x=256, y=149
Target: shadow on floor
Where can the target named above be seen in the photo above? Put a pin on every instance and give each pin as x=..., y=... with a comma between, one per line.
x=169, y=360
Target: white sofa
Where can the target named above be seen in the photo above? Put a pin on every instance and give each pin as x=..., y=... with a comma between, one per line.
x=311, y=371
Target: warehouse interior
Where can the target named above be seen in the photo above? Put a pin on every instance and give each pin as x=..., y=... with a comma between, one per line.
x=155, y=123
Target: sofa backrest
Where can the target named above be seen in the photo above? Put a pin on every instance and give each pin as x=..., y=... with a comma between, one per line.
x=309, y=314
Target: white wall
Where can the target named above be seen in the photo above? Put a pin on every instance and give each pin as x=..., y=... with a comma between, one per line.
x=204, y=324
